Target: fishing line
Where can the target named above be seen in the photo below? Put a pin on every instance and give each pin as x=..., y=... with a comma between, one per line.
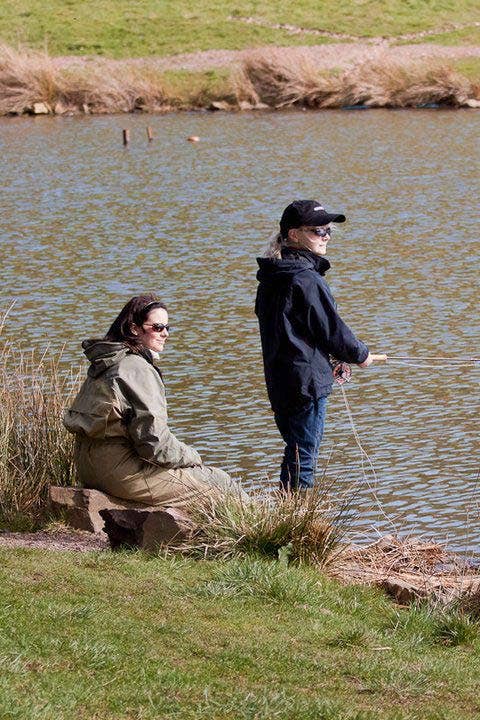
x=364, y=454
x=342, y=374
x=430, y=365
x=429, y=359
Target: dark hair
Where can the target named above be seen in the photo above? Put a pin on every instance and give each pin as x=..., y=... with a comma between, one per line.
x=135, y=312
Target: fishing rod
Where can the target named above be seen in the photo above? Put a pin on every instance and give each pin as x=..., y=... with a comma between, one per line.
x=342, y=371
x=415, y=358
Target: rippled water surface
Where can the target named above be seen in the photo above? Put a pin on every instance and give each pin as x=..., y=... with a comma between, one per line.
x=87, y=223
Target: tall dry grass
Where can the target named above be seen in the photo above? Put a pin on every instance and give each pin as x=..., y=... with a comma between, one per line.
x=276, y=78
x=28, y=77
x=281, y=79
x=35, y=449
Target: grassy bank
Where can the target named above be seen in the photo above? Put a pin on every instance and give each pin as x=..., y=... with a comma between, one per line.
x=120, y=29
x=122, y=637
x=265, y=79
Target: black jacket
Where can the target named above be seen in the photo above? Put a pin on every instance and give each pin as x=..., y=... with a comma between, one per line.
x=300, y=328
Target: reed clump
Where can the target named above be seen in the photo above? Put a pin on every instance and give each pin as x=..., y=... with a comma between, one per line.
x=301, y=528
x=35, y=449
x=280, y=79
x=28, y=77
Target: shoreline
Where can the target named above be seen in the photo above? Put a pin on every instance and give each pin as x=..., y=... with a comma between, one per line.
x=335, y=75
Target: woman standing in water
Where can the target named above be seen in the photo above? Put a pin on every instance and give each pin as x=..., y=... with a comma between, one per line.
x=301, y=331
x=124, y=446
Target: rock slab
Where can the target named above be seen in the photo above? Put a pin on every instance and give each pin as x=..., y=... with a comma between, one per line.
x=148, y=529
x=125, y=523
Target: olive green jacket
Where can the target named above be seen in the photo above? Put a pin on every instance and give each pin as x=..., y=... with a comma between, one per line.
x=123, y=396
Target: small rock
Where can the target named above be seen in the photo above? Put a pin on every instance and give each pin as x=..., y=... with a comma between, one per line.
x=148, y=528
x=86, y=109
x=402, y=592
x=245, y=105
x=471, y=102
x=40, y=108
x=60, y=108
x=125, y=523
x=81, y=507
x=193, y=138
x=218, y=105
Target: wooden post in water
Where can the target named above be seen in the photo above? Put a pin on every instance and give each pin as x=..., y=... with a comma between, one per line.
x=126, y=137
x=149, y=133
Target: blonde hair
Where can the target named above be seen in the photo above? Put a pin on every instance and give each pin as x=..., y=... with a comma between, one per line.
x=276, y=243
x=274, y=246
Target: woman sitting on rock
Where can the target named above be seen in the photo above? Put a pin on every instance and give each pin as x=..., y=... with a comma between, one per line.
x=123, y=444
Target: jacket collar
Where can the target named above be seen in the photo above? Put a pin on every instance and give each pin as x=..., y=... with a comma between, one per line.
x=319, y=263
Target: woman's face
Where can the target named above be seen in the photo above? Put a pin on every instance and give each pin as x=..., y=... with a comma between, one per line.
x=314, y=239
x=154, y=331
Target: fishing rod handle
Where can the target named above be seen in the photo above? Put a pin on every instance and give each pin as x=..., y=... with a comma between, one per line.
x=378, y=357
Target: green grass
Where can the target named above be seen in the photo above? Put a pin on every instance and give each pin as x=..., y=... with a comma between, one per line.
x=120, y=28
x=119, y=636
x=469, y=67
x=185, y=88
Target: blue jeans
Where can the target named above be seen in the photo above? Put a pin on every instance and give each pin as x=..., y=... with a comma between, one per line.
x=302, y=432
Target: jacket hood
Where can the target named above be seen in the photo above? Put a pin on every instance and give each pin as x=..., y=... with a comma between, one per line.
x=292, y=263
x=103, y=355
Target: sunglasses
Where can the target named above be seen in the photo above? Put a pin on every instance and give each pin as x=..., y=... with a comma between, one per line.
x=158, y=327
x=319, y=232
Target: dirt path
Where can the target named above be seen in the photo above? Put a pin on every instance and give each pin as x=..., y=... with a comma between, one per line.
x=325, y=57
x=65, y=539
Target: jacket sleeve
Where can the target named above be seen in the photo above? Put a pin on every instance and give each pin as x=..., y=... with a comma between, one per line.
x=328, y=329
x=146, y=419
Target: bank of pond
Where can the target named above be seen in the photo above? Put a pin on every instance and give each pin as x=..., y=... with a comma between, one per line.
x=34, y=83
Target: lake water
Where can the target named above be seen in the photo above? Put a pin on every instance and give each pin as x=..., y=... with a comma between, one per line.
x=87, y=223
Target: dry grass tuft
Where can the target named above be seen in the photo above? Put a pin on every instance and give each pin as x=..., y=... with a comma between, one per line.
x=109, y=88
x=28, y=77
x=281, y=78
x=35, y=449
x=469, y=602
x=299, y=528
x=386, y=84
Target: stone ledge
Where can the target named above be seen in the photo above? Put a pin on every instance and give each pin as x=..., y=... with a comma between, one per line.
x=125, y=523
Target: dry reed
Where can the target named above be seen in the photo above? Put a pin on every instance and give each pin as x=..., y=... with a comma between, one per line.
x=28, y=77
x=280, y=78
x=412, y=568
x=35, y=449
x=25, y=78
x=272, y=77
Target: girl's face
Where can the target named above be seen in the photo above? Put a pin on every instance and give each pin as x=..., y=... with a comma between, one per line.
x=153, y=333
x=314, y=239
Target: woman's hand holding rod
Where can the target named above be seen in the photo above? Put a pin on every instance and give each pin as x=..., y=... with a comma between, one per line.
x=372, y=357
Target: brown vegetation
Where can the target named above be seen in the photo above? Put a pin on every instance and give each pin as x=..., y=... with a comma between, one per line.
x=35, y=449
x=30, y=77
x=273, y=78
x=409, y=568
x=281, y=79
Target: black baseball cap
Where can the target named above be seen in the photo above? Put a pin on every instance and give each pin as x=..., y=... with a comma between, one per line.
x=306, y=212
